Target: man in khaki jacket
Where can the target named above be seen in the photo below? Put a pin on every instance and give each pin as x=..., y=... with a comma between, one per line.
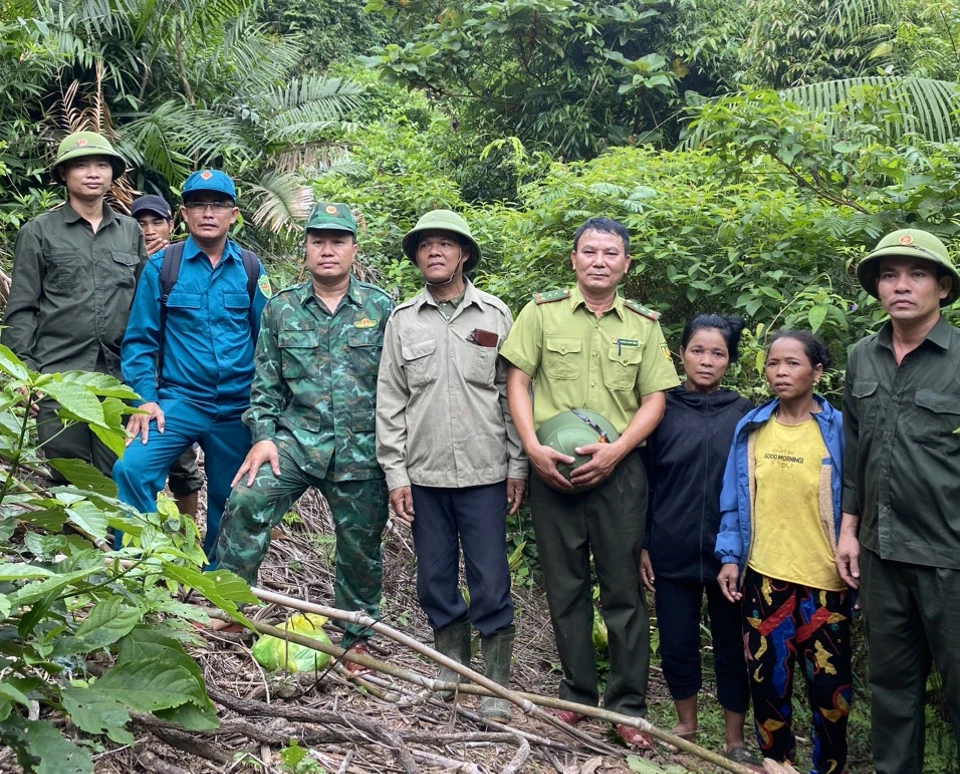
x=448, y=447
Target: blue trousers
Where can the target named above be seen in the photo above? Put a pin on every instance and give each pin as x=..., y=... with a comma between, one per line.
x=142, y=470
x=476, y=517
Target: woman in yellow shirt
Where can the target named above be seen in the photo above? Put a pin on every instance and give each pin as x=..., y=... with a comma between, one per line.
x=780, y=516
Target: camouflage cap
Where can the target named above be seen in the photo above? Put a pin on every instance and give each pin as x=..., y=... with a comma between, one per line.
x=442, y=220
x=909, y=243
x=331, y=216
x=81, y=144
x=209, y=180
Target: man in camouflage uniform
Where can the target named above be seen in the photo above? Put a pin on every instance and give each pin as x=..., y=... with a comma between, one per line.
x=312, y=420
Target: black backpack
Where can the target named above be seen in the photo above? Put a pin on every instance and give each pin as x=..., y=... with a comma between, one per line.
x=170, y=270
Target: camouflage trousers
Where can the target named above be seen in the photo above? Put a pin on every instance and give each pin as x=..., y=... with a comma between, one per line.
x=359, y=515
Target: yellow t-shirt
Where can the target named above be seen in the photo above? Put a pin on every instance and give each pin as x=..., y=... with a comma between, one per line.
x=789, y=541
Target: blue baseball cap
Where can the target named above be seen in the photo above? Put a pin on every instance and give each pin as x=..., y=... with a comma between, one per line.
x=209, y=180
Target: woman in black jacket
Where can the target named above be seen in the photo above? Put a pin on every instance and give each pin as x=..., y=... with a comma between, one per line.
x=685, y=459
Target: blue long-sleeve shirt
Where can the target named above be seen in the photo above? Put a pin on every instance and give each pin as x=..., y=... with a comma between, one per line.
x=209, y=335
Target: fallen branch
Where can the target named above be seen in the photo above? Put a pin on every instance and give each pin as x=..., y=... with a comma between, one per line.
x=524, y=701
x=187, y=743
x=516, y=763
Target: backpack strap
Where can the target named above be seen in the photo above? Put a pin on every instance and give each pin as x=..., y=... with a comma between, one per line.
x=169, y=271
x=251, y=265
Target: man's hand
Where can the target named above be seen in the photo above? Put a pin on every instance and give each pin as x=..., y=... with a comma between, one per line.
x=646, y=570
x=260, y=454
x=728, y=577
x=139, y=424
x=34, y=404
x=155, y=245
x=848, y=559
x=545, y=461
x=604, y=458
x=401, y=499
x=515, y=489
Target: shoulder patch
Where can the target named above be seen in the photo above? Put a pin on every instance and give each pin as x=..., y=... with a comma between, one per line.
x=642, y=310
x=550, y=296
x=264, y=284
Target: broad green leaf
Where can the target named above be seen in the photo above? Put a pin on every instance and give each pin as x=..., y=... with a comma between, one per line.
x=10, y=693
x=100, y=384
x=84, y=476
x=56, y=754
x=89, y=518
x=12, y=572
x=75, y=402
x=95, y=712
x=43, y=546
x=151, y=684
x=221, y=587
x=110, y=619
x=51, y=519
x=12, y=365
x=144, y=642
x=816, y=316
x=5, y=606
x=32, y=592
x=7, y=527
x=115, y=439
x=191, y=717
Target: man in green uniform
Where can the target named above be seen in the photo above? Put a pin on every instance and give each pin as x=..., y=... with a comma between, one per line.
x=589, y=348
x=311, y=418
x=74, y=273
x=900, y=537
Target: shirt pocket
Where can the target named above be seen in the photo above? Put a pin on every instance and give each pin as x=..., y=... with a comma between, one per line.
x=64, y=270
x=421, y=363
x=236, y=306
x=183, y=300
x=866, y=395
x=124, y=268
x=621, y=366
x=937, y=416
x=364, y=351
x=561, y=358
x=478, y=364
x=298, y=352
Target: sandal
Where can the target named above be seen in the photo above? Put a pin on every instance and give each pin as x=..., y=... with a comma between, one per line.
x=742, y=755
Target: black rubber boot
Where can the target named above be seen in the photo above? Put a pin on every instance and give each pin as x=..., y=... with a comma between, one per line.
x=453, y=641
x=497, y=654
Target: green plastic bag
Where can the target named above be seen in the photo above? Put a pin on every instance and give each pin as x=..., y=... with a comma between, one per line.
x=273, y=653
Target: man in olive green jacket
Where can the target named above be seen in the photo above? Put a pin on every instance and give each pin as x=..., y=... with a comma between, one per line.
x=74, y=272
x=900, y=537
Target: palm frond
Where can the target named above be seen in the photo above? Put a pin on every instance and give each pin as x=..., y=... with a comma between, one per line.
x=854, y=17
x=927, y=107
x=279, y=201
x=253, y=51
x=174, y=137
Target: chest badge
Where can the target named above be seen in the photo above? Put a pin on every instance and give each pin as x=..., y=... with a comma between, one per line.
x=366, y=322
x=264, y=284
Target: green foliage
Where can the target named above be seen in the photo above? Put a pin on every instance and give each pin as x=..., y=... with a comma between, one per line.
x=574, y=76
x=84, y=631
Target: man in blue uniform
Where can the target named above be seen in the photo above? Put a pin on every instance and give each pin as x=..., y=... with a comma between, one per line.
x=191, y=359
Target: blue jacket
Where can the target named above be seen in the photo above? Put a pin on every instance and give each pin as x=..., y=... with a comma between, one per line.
x=211, y=329
x=736, y=495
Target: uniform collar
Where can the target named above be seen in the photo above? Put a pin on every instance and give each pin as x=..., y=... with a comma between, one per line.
x=354, y=293
x=939, y=335
x=70, y=215
x=470, y=296
x=577, y=300
x=231, y=250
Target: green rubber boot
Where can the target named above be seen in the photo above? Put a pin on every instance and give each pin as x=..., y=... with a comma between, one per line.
x=453, y=641
x=497, y=654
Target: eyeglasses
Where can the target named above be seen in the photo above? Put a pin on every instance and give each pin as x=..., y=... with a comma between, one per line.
x=218, y=207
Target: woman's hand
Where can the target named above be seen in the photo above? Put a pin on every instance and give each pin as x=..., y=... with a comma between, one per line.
x=728, y=577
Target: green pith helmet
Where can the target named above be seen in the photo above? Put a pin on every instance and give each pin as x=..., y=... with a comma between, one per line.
x=442, y=220
x=331, y=216
x=80, y=144
x=571, y=429
x=909, y=243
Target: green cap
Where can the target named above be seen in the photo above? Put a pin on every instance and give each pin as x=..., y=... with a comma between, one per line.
x=571, y=429
x=910, y=243
x=80, y=144
x=442, y=220
x=331, y=216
